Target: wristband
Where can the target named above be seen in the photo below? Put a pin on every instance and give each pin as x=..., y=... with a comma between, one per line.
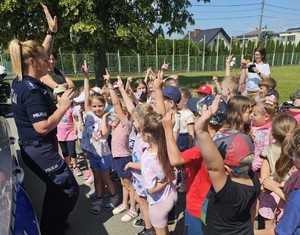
x=49, y=32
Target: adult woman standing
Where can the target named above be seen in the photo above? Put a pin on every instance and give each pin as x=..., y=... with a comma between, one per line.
x=256, y=71
x=36, y=118
x=55, y=76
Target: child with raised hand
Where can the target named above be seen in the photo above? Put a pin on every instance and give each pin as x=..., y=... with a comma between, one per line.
x=230, y=206
x=186, y=131
x=263, y=113
x=282, y=127
x=197, y=179
x=137, y=113
x=121, y=128
x=94, y=140
x=157, y=173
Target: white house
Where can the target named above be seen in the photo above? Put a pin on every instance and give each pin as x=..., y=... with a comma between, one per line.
x=291, y=35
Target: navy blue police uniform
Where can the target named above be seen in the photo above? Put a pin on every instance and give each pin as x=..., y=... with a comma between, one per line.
x=31, y=103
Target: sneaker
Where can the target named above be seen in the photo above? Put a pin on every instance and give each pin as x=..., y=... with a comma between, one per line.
x=89, y=181
x=77, y=171
x=130, y=215
x=87, y=174
x=138, y=223
x=146, y=232
x=113, y=201
x=92, y=195
x=97, y=205
x=119, y=209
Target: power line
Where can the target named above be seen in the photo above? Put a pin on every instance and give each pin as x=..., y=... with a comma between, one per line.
x=229, y=18
x=235, y=5
x=286, y=13
x=292, y=9
x=280, y=18
x=222, y=11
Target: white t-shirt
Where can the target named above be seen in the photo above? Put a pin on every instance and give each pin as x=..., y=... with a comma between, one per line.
x=186, y=118
x=252, y=82
x=92, y=140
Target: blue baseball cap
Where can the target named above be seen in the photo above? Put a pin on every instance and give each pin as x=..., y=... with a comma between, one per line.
x=172, y=93
x=192, y=104
x=220, y=116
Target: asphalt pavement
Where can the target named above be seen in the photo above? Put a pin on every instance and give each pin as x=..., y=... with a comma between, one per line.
x=81, y=220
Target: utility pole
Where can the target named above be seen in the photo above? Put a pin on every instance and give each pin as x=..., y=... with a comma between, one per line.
x=261, y=17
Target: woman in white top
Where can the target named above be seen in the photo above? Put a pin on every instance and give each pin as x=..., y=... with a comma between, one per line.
x=255, y=71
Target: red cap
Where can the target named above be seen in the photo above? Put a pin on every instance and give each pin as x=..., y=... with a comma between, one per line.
x=205, y=89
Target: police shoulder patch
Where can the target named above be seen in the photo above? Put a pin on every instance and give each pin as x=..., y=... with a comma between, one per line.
x=31, y=86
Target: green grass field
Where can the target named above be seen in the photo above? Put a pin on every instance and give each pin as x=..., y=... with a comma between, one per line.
x=287, y=77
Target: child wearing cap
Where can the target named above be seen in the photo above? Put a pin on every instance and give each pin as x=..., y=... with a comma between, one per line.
x=230, y=205
x=167, y=100
x=204, y=91
x=197, y=180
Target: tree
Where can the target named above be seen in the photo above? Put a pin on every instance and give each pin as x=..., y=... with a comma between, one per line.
x=96, y=25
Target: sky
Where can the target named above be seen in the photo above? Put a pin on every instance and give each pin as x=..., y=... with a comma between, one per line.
x=237, y=17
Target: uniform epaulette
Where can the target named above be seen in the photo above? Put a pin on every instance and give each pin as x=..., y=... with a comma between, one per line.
x=31, y=86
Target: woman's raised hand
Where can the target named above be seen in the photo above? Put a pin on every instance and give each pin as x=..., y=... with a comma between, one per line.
x=52, y=21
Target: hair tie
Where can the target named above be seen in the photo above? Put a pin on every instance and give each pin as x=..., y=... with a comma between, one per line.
x=271, y=99
x=288, y=134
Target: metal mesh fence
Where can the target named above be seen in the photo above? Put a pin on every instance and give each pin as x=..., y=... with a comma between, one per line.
x=71, y=63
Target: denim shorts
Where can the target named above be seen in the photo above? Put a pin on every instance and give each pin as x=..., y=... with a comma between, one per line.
x=118, y=165
x=101, y=163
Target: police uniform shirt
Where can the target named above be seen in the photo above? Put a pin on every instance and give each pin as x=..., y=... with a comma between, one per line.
x=31, y=103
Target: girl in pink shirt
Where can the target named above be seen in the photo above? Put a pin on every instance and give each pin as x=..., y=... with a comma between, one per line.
x=121, y=129
x=66, y=139
x=263, y=113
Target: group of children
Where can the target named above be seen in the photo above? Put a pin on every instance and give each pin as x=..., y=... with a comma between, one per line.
x=237, y=156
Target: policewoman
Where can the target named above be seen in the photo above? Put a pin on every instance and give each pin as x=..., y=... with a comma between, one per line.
x=36, y=118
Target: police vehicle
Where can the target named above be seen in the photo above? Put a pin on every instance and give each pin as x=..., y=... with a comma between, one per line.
x=16, y=212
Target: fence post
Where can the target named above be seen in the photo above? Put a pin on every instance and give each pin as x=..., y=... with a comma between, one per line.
x=139, y=62
x=203, y=53
x=173, y=56
x=217, y=57
x=243, y=45
x=293, y=53
x=74, y=62
x=156, y=54
x=188, y=59
x=284, y=51
x=273, y=59
x=119, y=62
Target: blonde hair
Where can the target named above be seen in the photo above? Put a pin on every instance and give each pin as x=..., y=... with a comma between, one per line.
x=20, y=52
x=185, y=94
x=282, y=126
x=231, y=82
x=140, y=111
x=285, y=162
x=153, y=126
x=269, y=83
x=270, y=108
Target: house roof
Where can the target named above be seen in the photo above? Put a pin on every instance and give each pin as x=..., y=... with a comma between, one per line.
x=209, y=35
x=253, y=33
x=293, y=29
